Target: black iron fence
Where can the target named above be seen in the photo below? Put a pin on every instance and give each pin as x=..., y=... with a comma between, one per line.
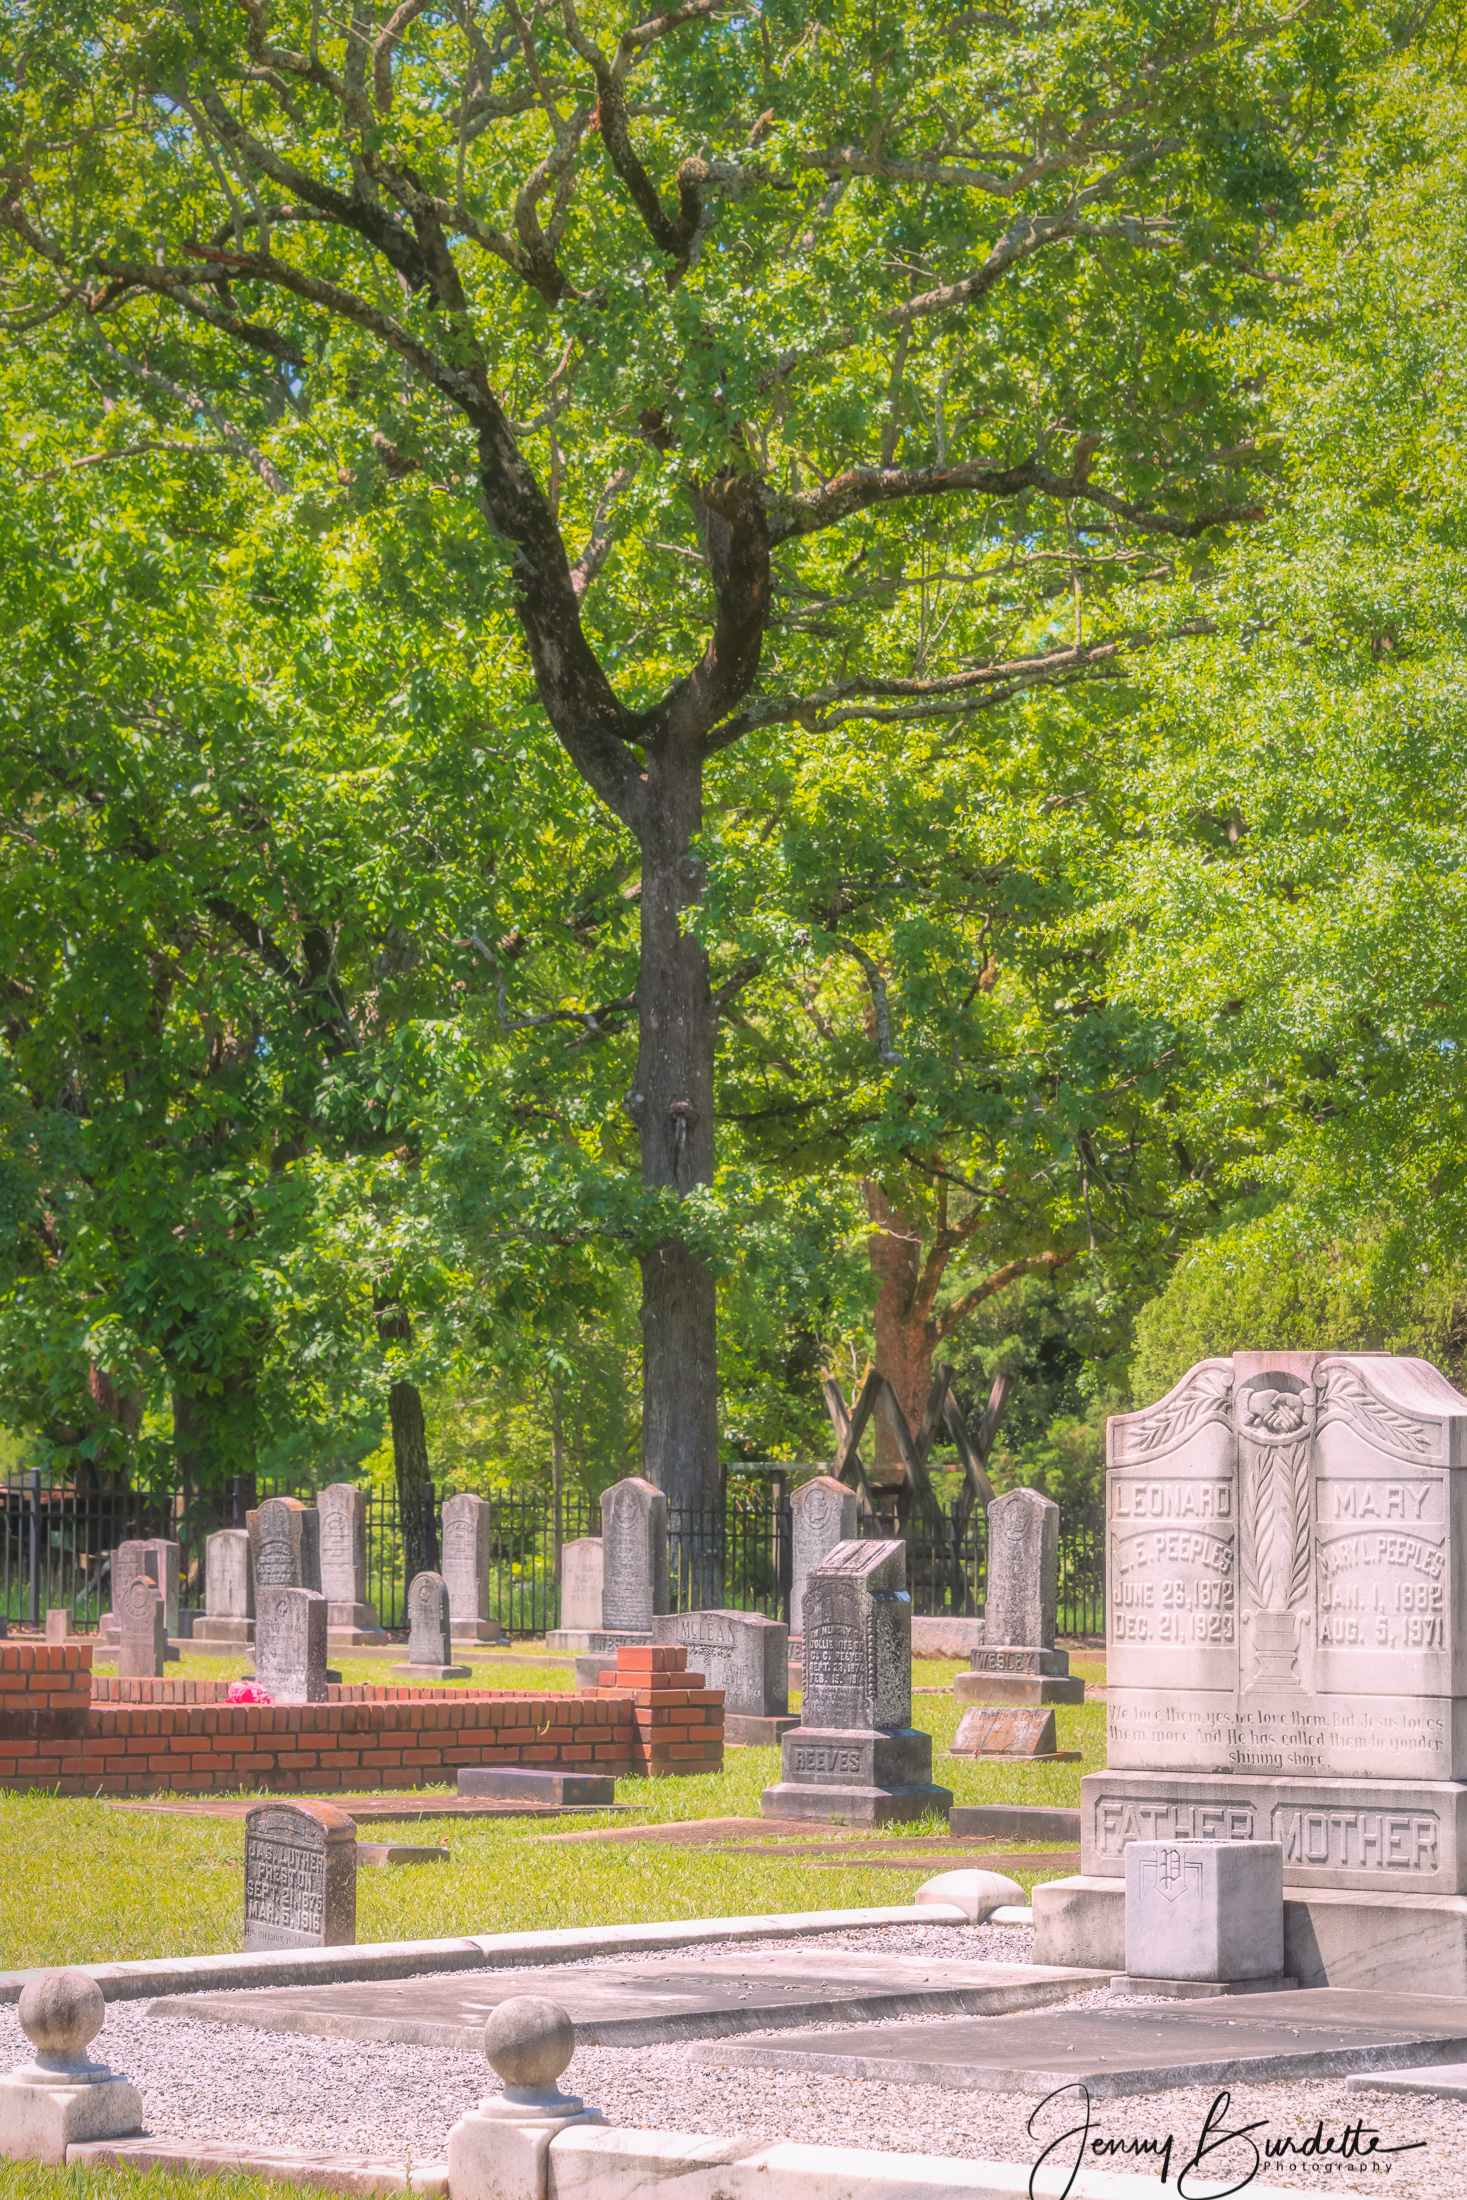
x=56, y=1541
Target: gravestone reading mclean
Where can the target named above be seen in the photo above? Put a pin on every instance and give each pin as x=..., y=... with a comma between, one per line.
x=467, y=1541
x=1287, y=1535
x=824, y=1514
x=290, y=1645
x=855, y=1756
x=342, y=1511
x=747, y=1656
x=1204, y=1918
x=229, y=1589
x=1017, y=1662
x=634, y=1561
x=143, y=1641
x=430, y=1650
x=300, y=1874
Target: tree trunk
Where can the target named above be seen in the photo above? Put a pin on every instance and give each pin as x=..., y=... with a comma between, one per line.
x=904, y=1343
x=195, y=1448
x=672, y=1103
x=414, y=1487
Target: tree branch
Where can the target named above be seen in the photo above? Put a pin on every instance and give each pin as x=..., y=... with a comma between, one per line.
x=952, y=1316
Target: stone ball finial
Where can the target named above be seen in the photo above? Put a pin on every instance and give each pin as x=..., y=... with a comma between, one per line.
x=529, y=2040
x=60, y=2013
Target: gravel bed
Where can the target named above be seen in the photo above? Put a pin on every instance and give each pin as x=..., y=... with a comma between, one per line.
x=351, y=2097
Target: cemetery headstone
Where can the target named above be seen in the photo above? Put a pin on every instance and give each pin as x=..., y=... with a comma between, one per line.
x=164, y=1573
x=58, y=1624
x=430, y=1641
x=1285, y=1548
x=467, y=1552
x=300, y=1871
x=1204, y=1917
x=1010, y=1730
x=580, y=1585
x=747, y=1656
x=855, y=1756
x=144, y=1641
x=285, y=1545
x=290, y=1645
x=634, y=1561
x=1017, y=1662
x=342, y=1510
x=824, y=1514
x=229, y=1589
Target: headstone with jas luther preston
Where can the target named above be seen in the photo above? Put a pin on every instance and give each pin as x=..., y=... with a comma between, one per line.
x=1017, y=1662
x=300, y=1875
x=855, y=1757
x=342, y=1511
x=430, y=1643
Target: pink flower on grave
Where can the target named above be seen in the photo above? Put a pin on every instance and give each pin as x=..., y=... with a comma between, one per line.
x=246, y=1692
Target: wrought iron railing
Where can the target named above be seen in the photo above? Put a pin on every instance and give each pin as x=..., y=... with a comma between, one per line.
x=56, y=1541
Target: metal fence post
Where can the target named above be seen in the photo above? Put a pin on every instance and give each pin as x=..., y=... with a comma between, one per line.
x=34, y=1479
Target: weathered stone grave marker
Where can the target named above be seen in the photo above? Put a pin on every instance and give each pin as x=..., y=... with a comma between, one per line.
x=580, y=1586
x=1017, y=1731
x=143, y=1643
x=342, y=1509
x=1017, y=1662
x=634, y=1561
x=154, y=1559
x=1204, y=1918
x=229, y=1589
x=855, y=1755
x=747, y=1656
x=300, y=1872
x=824, y=1514
x=285, y=1545
x=467, y=1547
x=290, y=1645
x=430, y=1643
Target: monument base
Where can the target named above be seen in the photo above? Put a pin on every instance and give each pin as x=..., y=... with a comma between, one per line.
x=1383, y=1942
x=1025, y=1688
x=1202, y=1989
x=433, y=1672
x=581, y=1641
x=1008, y=1657
x=41, y=2115
x=748, y=1730
x=875, y=1778
x=223, y=1630
x=348, y=1623
x=476, y=1630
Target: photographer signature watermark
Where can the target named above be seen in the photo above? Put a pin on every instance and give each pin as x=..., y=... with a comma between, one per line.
x=1219, y=2152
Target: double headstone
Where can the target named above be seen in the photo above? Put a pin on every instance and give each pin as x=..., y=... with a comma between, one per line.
x=855, y=1756
x=300, y=1876
x=144, y=1641
x=285, y=1545
x=229, y=1589
x=290, y=1645
x=467, y=1550
x=1017, y=1662
x=342, y=1510
x=430, y=1640
x=824, y=1514
x=747, y=1656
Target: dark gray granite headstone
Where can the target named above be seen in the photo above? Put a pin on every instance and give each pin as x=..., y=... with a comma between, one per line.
x=429, y=1639
x=144, y=1638
x=1023, y=1571
x=290, y=1644
x=300, y=1876
x=634, y=1556
x=285, y=1544
x=858, y=1639
x=743, y=1653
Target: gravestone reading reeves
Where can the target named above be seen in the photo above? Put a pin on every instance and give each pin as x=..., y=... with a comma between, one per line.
x=855, y=1756
x=229, y=1589
x=1017, y=1662
x=342, y=1510
x=824, y=1514
x=290, y=1645
x=1287, y=1535
x=300, y=1875
x=430, y=1642
x=285, y=1545
x=143, y=1641
x=747, y=1656
x=467, y=1549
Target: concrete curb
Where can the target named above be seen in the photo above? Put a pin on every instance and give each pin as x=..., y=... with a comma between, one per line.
x=351, y=2173
x=145, y=1981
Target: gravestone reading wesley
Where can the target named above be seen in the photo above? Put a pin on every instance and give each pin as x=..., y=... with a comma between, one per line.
x=290, y=1645
x=143, y=1641
x=824, y=1514
x=855, y=1756
x=467, y=1549
x=430, y=1651
x=229, y=1589
x=342, y=1510
x=1017, y=1662
x=634, y=1560
x=300, y=1876
x=747, y=1656
x=1286, y=1534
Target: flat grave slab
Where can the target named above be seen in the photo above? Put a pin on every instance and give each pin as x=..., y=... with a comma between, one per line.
x=637, y=2003
x=1324, y=2032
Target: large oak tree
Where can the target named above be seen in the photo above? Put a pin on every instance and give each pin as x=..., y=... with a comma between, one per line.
x=805, y=364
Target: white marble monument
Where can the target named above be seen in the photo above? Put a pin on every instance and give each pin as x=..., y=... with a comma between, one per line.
x=349, y=1617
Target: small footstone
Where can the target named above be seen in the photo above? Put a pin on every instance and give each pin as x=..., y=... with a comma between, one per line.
x=1207, y=1913
x=996, y=1732
x=376, y=1855
x=532, y=1784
